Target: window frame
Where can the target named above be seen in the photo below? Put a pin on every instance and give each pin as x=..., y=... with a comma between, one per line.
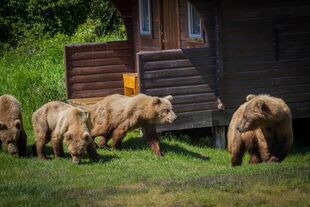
x=141, y=21
x=190, y=21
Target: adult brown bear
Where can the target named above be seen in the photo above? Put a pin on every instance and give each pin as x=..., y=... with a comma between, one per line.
x=116, y=114
x=59, y=122
x=263, y=127
x=12, y=133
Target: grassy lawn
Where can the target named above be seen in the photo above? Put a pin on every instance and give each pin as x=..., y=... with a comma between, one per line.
x=188, y=175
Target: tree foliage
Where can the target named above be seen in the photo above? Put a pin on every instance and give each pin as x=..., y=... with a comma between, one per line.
x=20, y=19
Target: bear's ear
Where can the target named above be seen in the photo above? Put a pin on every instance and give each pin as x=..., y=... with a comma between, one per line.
x=169, y=98
x=156, y=101
x=86, y=136
x=249, y=97
x=18, y=124
x=263, y=106
x=2, y=125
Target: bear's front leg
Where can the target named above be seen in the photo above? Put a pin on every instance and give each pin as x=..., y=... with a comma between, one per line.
x=237, y=152
x=22, y=143
x=57, y=147
x=149, y=133
x=91, y=150
x=263, y=147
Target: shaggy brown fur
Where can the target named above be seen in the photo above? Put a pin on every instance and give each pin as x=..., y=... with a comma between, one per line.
x=116, y=114
x=60, y=122
x=263, y=127
x=12, y=133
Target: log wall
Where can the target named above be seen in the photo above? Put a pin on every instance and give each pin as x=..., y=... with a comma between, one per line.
x=95, y=70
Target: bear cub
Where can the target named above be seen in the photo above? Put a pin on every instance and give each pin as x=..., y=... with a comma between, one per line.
x=263, y=127
x=59, y=122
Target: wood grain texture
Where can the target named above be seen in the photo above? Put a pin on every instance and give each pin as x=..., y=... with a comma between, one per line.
x=96, y=69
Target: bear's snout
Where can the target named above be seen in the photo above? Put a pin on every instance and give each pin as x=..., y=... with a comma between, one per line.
x=172, y=118
x=12, y=149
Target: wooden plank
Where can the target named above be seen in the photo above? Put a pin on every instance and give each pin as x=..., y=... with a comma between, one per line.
x=91, y=47
x=189, y=107
x=179, y=72
x=181, y=63
x=100, y=54
x=219, y=135
x=262, y=74
x=96, y=85
x=99, y=70
x=97, y=62
x=166, y=64
x=193, y=98
x=180, y=81
x=272, y=81
x=96, y=78
x=188, y=120
x=180, y=90
x=163, y=55
x=96, y=93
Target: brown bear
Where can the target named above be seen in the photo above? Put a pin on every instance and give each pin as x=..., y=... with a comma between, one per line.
x=12, y=133
x=59, y=122
x=116, y=114
x=263, y=127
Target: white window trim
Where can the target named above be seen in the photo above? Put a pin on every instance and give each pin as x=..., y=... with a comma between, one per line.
x=190, y=34
x=140, y=18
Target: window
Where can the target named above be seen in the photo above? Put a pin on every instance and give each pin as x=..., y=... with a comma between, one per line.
x=145, y=17
x=194, y=22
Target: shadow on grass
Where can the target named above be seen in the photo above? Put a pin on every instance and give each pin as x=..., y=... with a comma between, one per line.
x=300, y=150
x=139, y=143
x=31, y=153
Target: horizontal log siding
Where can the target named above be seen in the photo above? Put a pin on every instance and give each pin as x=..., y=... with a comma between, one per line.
x=189, y=76
x=95, y=70
x=266, y=49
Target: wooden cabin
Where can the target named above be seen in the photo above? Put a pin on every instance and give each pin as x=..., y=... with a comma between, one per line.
x=208, y=54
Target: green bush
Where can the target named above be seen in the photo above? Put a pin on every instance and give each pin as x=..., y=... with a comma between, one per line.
x=22, y=20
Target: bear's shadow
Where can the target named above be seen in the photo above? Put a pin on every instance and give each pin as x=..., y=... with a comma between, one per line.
x=138, y=143
x=31, y=153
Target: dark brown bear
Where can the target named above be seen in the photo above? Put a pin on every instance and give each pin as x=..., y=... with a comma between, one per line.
x=59, y=122
x=263, y=127
x=116, y=114
x=12, y=133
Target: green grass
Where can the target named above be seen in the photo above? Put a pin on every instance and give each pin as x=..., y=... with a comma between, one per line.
x=187, y=175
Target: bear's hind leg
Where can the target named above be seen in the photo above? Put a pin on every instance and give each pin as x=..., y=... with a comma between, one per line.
x=117, y=135
x=254, y=158
x=40, y=145
x=42, y=137
x=103, y=142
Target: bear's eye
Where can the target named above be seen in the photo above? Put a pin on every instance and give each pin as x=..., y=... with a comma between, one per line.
x=165, y=111
x=3, y=127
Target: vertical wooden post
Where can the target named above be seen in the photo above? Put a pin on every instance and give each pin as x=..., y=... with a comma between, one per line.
x=219, y=137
